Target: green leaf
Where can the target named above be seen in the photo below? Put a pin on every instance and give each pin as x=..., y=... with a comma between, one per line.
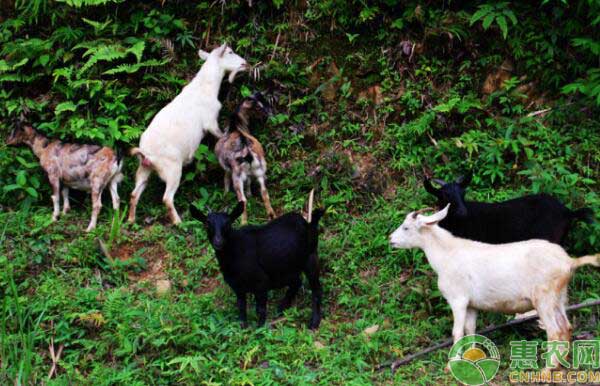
x=65, y=106
x=137, y=50
x=510, y=14
x=44, y=59
x=501, y=21
x=21, y=179
x=32, y=192
x=398, y=24
x=11, y=187
x=478, y=15
x=487, y=21
x=245, y=91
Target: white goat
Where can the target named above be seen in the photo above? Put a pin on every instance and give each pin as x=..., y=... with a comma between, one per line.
x=176, y=131
x=508, y=278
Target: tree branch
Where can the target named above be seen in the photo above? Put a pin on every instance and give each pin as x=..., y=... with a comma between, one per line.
x=409, y=358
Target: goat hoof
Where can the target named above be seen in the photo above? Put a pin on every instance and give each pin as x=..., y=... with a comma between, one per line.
x=244, y=325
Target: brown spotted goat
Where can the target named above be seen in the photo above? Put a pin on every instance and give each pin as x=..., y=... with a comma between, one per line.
x=242, y=156
x=83, y=167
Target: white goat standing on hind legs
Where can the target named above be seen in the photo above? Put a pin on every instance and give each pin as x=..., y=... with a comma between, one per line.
x=177, y=130
x=509, y=278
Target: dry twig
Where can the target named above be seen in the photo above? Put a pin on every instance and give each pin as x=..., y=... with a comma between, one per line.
x=447, y=343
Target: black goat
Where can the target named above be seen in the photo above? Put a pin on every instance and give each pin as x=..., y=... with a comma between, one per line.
x=256, y=259
x=538, y=216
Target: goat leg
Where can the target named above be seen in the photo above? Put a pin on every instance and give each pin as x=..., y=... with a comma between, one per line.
x=226, y=181
x=65, y=194
x=241, y=304
x=459, y=314
x=55, y=183
x=290, y=294
x=261, y=307
x=141, y=180
x=265, y=196
x=238, y=186
x=248, y=187
x=172, y=179
x=96, y=206
x=114, y=192
x=312, y=274
x=471, y=321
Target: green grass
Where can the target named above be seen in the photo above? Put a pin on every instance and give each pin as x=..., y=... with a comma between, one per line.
x=116, y=328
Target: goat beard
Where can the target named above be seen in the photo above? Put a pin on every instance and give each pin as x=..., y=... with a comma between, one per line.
x=232, y=75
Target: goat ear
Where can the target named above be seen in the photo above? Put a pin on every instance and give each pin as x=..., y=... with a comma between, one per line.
x=222, y=49
x=429, y=188
x=464, y=180
x=197, y=214
x=203, y=54
x=237, y=211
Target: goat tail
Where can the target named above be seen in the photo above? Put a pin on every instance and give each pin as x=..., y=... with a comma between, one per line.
x=584, y=214
x=120, y=152
x=586, y=260
x=136, y=151
x=243, y=138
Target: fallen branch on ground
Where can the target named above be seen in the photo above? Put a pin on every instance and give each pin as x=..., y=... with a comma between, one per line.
x=104, y=250
x=447, y=343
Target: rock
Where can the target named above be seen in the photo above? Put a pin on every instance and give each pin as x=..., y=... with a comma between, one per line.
x=495, y=79
x=163, y=286
x=371, y=330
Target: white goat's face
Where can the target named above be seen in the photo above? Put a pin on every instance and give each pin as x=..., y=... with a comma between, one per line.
x=410, y=233
x=407, y=235
x=227, y=60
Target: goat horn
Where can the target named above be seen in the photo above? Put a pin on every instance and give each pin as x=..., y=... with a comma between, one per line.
x=420, y=211
x=310, y=205
x=439, y=182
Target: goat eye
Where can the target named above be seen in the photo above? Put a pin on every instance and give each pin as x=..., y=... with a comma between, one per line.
x=405, y=228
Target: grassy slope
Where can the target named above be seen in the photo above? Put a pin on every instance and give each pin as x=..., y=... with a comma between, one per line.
x=116, y=329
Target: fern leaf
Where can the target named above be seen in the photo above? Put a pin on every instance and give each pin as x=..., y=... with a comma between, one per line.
x=132, y=68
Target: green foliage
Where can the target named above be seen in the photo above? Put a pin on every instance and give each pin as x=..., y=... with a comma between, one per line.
x=369, y=95
x=498, y=13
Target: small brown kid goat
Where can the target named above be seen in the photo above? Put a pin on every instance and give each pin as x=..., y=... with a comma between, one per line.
x=242, y=156
x=83, y=167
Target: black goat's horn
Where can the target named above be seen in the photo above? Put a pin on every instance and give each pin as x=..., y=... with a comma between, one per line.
x=439, y=182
